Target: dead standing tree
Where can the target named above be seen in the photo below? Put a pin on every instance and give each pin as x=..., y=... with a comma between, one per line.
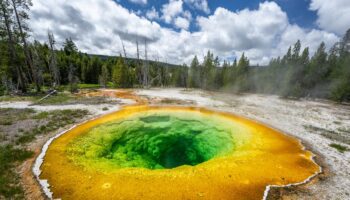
x=124, y=51
x=158, y=76
x=139, y=71
x=73, y=79
x=38, y=72
x=145, y=69
x=55, y=73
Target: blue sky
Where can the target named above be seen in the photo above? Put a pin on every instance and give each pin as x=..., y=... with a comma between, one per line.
x=177, y=30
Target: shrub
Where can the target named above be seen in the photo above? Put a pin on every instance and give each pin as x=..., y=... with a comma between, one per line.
x=339, y=147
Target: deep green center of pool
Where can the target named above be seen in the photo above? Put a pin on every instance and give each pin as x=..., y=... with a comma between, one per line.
x=154, y=141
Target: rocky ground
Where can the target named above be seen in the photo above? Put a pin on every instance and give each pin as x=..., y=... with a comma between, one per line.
x=322, y=126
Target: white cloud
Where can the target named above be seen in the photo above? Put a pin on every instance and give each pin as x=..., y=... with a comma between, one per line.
x=288, y=37
x=181, y=22
x=152, y=14
x=171, y=10
x=139, y=1
x=263, y=33
x=173, y=13
x=311, y=39
x=245, y=29
x=199, y=4
x=187, y=14
x=96, y=27
x=333, y=15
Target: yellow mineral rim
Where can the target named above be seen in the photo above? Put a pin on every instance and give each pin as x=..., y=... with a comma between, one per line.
x=152, y=152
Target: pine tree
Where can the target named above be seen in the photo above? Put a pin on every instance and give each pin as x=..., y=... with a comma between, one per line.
x=296, y=52
x=121, y=74
x=288, y=57
x=69, y=47
x=21, y=8
x=339, y=59
x=12, y=54
x=84, y=68
x=73, y=79
x=234, y=64
x=116, y=75
x=208, y=72
x=242, y=74
x=104, y=76
x=243, y=64
x=38, y=64
x=195, y=73
x=305, y=59
x=226, y=75
x=318, y=69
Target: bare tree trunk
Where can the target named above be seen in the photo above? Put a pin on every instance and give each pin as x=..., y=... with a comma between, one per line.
x=38, y=72
x=123, y=48
x=145, y=68
x=13, y=56
x=138, y=50
x=159, y=72
x=26, y=48
x=53, y=61
x=140, y=73
x=73, y=80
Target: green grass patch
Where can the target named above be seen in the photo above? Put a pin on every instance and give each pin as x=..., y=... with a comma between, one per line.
x=11, y=155
x=88, y=86
x=41, y=115
x=343, y=129
x=25, y=138
x=9, y=180
x=55, y=120
x=61, y=97
x=110, y=85
x=6, y=122
x=56, y=99
x=10, y=116
x=2, y=137
x=17, y=98
x=339, y=147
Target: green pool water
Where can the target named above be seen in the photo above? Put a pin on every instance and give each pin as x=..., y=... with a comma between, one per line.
x=158, y=152
x=154, y=141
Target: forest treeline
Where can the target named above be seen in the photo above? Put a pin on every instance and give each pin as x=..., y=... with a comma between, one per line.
x=27, y=66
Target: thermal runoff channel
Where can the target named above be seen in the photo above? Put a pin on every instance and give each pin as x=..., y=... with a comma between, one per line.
x=145, y=152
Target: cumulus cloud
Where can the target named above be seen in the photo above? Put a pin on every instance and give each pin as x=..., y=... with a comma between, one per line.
x=288, y=37
x=171, y=10
x=332, y=15
x=152, y=14
x=245, y=29
x=199, y=4
x=98, y=26
x=173, y=13
x=262, y=33
x=182, y=22
x=139, y=1
x=89, y=22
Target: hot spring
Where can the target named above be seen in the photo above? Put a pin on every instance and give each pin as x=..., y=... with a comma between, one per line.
x=148, y=152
